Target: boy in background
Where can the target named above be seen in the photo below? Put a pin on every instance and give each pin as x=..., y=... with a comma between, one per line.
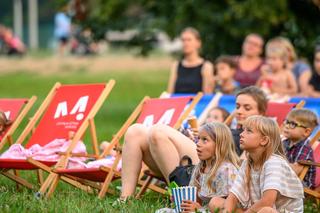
x=298, y=126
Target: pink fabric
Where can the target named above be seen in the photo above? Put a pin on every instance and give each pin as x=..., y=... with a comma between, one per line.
x=107, y=162
x=45, y=153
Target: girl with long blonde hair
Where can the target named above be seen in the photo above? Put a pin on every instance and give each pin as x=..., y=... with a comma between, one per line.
x=265, y=182
x=216, y=171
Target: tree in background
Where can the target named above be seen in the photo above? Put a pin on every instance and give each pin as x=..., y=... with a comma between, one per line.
x=223, y=24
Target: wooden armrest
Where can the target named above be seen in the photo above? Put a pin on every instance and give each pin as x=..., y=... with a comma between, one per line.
x=308, y=163
x=79, y=155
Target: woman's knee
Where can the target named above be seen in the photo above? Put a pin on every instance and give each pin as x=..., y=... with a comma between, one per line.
x=157, y=133
x=216, y=203
x=134, y=132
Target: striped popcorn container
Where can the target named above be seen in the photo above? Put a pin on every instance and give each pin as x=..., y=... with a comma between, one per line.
x=183, y=193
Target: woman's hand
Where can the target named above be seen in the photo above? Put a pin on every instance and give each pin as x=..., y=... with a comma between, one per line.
x=189, y=206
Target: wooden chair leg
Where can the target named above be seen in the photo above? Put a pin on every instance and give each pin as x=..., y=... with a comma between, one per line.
x=46, y=184
x=53, y=186
x=40, y=176
x=105, y=185
x=144, y=187
x=16, y=173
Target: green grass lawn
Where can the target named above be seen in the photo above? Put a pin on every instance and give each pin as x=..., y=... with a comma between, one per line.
x=130, y=88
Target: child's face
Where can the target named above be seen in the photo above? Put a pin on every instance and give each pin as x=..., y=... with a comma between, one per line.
x=215, y=115
x=275, y=63
x=295, y=131
x=317, y=63
x=251, y=139
x=205, y=146
x=224, y=71
x=245, y=107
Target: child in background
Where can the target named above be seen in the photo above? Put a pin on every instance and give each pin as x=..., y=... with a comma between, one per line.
x=275, y=77
x=297, y=128
x=265, y=182
x=4, y=123
x=225, y=70
x=217, y=114
x=314, y=83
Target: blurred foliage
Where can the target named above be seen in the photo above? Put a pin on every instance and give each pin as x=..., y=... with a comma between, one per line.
x=223, y=24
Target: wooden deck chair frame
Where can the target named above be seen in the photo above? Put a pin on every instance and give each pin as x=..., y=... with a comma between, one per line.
x=89, y=121
x=147, y=183
x=7, y=138
x=306, y=166
x=87, y=185
x=113, y=173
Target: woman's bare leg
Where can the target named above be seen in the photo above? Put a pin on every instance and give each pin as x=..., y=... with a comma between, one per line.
x=135, y=150
x=168, y=146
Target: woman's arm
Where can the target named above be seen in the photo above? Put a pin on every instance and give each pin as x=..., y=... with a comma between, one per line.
x=172, y=78
x=268, y=200
x=208, y=78
x=303, y=81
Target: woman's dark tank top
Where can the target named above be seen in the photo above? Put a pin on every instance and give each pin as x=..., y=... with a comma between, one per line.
x=247, y=78
x=189, y=79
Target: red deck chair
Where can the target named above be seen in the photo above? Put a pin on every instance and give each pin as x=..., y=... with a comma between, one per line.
x=279, y=111
x=170, y=111
x=316, y=155
x=15, y=110
x=66, y=108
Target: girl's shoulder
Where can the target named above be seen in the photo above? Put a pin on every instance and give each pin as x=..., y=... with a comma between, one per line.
x=276, y=161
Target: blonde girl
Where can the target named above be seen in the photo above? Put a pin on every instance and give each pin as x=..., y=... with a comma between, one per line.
x=216, y=171
x=265, y=182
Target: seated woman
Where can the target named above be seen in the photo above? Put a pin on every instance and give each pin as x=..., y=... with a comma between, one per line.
x=193, y=73
x=314, y=82
x=161, y=147
x=250, y=61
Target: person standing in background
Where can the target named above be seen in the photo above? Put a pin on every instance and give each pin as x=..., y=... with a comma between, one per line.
x=62, y=30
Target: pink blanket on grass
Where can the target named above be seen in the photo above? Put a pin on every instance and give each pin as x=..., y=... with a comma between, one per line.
x=49, y=152
x=107, y=162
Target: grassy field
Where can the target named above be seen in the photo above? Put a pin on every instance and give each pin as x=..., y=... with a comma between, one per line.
x=129, y=90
